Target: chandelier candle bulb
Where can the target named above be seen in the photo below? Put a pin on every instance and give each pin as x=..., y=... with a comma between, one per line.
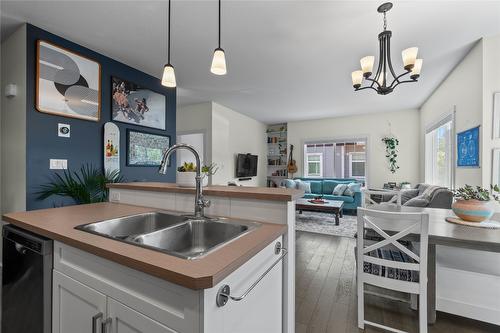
x=357, y=79
x=367, y=65
x=168, y=78
x=409, y=57
x=415, y=71
x=219, y=62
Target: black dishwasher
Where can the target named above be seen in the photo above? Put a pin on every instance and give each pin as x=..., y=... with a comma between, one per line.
x=26, y=282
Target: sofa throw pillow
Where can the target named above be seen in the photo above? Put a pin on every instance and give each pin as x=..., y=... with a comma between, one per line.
x=429, y=192
x=339, y=189
x=290, y=183
x=305, y=186
x=352, y=188
x=418, y=201
x=408, y=194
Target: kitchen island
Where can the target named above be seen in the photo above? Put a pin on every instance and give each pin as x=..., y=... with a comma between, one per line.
x=100, y=281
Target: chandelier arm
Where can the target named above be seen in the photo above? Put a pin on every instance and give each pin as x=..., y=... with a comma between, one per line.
x=379, y=68
x=384, y=71
x=373, y=82
x=389, y=59
x=405, y=81
x=369, y=87
x=396, y=79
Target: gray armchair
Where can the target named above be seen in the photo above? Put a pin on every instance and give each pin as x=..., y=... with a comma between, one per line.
x=424, y=195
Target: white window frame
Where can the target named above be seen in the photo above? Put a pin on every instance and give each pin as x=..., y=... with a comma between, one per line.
x=308, y=175
x=450, y=118
x=355, y=161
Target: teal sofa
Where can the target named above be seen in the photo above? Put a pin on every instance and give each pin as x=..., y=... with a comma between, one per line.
x=324, y=187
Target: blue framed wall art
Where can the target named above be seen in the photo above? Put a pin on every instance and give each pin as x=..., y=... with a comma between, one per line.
x=468, y=148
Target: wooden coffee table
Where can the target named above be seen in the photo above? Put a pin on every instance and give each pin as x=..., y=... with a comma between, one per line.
x=330, y=206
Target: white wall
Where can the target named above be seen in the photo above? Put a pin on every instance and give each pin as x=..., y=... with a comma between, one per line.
x=462, y=89
x=491, y=85
x=228, y=133
x=404, y=125
x=234, y=133
x=13, y=127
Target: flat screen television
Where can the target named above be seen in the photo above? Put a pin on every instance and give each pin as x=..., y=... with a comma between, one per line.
x=246, y=165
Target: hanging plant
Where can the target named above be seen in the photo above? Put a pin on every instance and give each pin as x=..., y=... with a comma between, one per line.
x=391, y=150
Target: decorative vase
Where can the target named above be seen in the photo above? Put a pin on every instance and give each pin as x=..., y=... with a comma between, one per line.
x=472, y=210
x=188, y=179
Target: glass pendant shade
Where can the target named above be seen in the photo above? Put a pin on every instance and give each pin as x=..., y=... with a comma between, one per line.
x=219, y=62
x=415, y=71
x=409, y=57
x=357, y=78
x=367, y=65
x=168, y=78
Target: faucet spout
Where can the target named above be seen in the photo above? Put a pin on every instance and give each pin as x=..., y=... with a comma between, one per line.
x=200, y=203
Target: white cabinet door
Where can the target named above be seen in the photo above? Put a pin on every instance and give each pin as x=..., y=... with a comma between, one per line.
x=127, y=320
x=261, y=310
x=74, y=305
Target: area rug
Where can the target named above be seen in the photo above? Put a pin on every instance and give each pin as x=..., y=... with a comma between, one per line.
x=323, y=223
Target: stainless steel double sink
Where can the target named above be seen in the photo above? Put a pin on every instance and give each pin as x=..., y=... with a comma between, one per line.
x=182, y=236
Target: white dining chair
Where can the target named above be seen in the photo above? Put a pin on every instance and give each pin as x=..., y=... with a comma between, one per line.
x=368, y=200
x=388, y=263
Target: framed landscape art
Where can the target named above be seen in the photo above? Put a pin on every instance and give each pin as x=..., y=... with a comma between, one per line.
x=137, y=105
x=145, y=149
x=468, y=148
x=67, y=84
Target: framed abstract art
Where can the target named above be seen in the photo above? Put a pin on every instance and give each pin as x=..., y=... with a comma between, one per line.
x=67, y=84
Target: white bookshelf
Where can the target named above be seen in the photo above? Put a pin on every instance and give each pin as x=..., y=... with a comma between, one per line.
x=277, y=154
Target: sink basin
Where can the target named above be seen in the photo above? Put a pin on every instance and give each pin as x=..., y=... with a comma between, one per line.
x=125, y=227
x=182, y=236
x=193, y=238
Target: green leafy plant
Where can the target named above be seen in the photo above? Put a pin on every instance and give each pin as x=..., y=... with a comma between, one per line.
x=391, y=150
x=88, y=185
x=207, y=170
x=477, y=193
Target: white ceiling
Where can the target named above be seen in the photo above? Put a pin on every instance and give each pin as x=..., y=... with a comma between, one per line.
x=287, y=60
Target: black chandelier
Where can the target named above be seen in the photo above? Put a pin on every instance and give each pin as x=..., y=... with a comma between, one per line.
x=380, y=82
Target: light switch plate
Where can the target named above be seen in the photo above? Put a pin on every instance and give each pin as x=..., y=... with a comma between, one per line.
x=63, y=130
x=55, y=164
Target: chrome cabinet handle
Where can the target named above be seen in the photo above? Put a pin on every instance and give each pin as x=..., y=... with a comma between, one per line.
x=104, y=325
x=224, y=293
x=94, y=322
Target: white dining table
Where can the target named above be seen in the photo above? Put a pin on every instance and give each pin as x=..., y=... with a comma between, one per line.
x=449, y=234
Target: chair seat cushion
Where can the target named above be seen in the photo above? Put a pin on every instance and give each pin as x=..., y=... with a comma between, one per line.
x=390, y=272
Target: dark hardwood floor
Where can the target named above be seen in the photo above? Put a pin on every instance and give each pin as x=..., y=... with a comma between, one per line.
x=326, y=294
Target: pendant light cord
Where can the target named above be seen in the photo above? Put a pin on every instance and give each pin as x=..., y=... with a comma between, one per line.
x=219, y=21
x=385, y=22
x=168, y=43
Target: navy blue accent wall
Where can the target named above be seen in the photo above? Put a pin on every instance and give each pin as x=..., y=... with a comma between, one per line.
x=86, y=142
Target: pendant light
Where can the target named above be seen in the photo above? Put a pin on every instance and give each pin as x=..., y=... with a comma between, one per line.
x=168, y=78
x=219, y=59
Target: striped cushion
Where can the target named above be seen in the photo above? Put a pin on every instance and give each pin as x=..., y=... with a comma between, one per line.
x=392, y=273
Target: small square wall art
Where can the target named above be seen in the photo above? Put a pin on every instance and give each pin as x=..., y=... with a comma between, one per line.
x=145, y=149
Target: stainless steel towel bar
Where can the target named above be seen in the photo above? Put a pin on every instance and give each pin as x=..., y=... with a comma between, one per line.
x=224, y=293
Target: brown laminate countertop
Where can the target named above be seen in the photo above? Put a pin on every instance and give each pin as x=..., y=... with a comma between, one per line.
x=246, y=192
x=59, y=224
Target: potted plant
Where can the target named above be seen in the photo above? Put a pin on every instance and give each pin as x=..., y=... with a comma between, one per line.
x=474, y=204
x=84, y=187
x=186, y=174
x=391, y=152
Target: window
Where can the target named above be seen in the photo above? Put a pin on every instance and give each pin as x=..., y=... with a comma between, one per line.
x=357, y=165
x=314, y=165
x=439, y=153
x=336, y=159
